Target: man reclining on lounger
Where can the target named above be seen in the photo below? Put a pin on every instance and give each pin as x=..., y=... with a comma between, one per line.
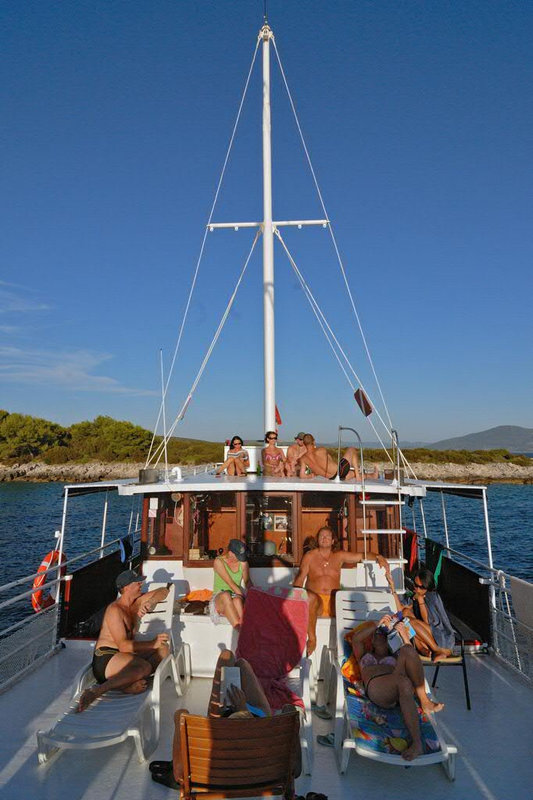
x=320, y=571
x=247, y=702
x=119, y=662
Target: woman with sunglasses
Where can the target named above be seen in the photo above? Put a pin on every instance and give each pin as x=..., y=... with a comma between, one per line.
x=435, y=637
x=237, y=461
x=272, y=456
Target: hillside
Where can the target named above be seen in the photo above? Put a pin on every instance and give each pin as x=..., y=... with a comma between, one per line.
x=505, y=437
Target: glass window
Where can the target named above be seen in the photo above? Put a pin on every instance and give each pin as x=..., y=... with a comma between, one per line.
x=324, y=509
x=212, y=523
x=269, y=525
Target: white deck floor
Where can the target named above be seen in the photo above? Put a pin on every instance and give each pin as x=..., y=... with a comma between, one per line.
x=494, y=742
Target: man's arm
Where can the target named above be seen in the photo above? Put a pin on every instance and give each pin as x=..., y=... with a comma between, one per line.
x=148, y=601
x=119, y=634
x=356, y=558
x=246, y=575
x=303, y=572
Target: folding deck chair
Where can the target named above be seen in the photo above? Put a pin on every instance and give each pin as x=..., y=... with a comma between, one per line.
x=115, y=716
x=237, y=759
x=360, y=725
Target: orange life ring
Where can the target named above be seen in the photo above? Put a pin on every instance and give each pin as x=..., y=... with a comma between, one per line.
x=39, y=599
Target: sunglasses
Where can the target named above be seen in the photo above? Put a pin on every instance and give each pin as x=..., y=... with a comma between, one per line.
x=272, y=437
x=419, y=585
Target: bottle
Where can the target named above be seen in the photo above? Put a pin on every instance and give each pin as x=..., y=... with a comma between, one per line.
x=258, y=470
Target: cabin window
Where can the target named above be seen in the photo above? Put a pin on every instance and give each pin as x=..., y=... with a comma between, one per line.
x=212, y=523
x=324, y=509
x=269, y=526
x=162, y=527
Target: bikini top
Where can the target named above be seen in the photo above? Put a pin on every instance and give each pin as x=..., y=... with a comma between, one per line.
x=370, y=660
x=273, y=456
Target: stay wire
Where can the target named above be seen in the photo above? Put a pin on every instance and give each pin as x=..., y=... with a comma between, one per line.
x=332, y=234
x=202, y=247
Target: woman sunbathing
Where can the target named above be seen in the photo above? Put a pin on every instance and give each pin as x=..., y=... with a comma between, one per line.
x=232, y=577
x=391, y=680
x=237, y=461
x=434, y=634
x=272, y=456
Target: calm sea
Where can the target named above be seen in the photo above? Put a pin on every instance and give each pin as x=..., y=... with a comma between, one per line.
x=31, y=512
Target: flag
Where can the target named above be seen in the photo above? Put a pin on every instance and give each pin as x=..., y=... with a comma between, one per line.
x=278, y=417
x=363, y=402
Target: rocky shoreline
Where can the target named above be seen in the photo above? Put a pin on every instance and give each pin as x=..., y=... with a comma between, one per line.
x=100, y=471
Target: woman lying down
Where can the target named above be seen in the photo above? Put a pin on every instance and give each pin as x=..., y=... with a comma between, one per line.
x=391, y=680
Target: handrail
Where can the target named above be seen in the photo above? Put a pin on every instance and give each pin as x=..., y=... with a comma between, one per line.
x=69, y=561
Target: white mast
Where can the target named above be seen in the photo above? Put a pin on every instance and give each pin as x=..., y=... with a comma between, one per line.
x=268, y=245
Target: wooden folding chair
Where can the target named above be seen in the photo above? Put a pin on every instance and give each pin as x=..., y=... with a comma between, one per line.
x=238, y=757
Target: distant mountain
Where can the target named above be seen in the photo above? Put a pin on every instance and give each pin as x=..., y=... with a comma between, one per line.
x=508, y=437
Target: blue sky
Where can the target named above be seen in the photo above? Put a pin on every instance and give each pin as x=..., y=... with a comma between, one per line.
x=419, y=120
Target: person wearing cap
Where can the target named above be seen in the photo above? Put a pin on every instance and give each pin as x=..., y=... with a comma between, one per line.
x=294, y=453
x=232, y=578
x=119, y=662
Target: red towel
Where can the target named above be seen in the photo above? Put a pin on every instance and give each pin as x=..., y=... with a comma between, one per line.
x=273, y=637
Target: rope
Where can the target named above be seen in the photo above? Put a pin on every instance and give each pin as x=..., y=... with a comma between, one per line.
x=339, y=259
x=330, y=336
x=161, y=447
x=202, y=247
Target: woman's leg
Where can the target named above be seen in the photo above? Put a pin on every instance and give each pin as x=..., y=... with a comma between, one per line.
x=410, y=715
x=225, y=659
x=239, y=608
x=232, y=467
x=425, y=642
x=252, y=688
x=409, y=663
x=225, y=606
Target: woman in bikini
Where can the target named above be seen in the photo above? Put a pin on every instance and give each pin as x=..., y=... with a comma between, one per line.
x=237, y=461
x=272, y=456
x=232, y=577
x=394, y=680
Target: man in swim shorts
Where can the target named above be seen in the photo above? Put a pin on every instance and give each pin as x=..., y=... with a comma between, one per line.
x=119, y=662
x=320, y=573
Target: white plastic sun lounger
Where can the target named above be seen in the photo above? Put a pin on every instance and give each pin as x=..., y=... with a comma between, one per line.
x=361, y=726
x=115, y=716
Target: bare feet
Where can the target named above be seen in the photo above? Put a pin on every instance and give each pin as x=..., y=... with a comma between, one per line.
x=439, y=655
x=87, y=697
x=136, y=688
x=311, y=645
x=430, y=707
x=413, y=751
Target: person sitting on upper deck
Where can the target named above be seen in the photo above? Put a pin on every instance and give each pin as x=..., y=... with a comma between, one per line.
x=317, y=462
x=294, y=453
x=272, y=456
x=232, y=577
x=351, y=455
x=119, y=662
x=435, y=636
x=320, y=571
x=237, y=460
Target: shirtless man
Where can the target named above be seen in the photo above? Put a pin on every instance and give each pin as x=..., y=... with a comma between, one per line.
x=294, y=453
x=320, y=571
x=317, y=461
x=119, y=662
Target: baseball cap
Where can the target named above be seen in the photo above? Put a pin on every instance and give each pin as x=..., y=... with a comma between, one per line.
x=127, y=577
x=300, y=435
x=238, y=549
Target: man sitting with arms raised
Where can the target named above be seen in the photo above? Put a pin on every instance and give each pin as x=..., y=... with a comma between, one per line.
x=320, y=572
x=119, y=662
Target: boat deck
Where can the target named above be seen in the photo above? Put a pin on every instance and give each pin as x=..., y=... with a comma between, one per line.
x=493, y=763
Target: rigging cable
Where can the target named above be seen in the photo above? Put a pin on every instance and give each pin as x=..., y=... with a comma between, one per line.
x=341, y=265
x=162, y=445
x=330, y=336
x=202, y=247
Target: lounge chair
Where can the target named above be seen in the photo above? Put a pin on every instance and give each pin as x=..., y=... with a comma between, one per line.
x=115, y=716
x=371, y=731
x=273, y=638
x=244, y=758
